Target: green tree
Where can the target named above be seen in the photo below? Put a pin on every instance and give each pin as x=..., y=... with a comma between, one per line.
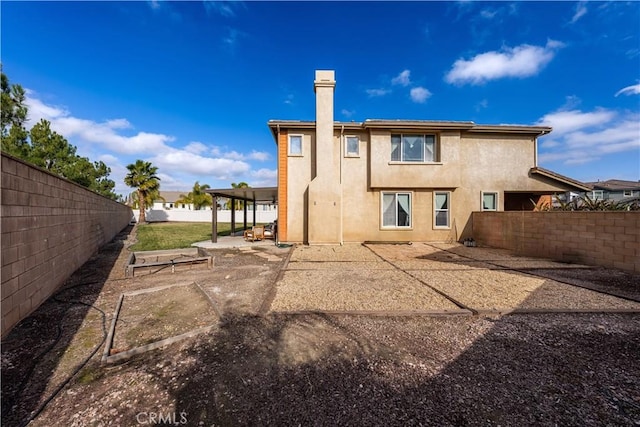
x=45, y=148
x=142, y=176
x=239, y=203
x=13, y=114
x=197, y=197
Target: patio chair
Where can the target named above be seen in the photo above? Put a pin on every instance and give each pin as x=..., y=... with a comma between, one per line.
x=269, y=232
x=256, y=233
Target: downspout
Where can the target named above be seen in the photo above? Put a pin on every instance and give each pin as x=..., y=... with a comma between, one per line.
x=275, y=238
x=341, y=154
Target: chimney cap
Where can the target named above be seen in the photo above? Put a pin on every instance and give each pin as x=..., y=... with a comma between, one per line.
x=324, y=78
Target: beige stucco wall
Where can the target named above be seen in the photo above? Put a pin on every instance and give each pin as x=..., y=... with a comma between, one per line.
x=469, y=164
x=50, y=227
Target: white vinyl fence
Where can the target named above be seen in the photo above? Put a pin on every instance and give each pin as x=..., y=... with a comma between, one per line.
x=177, y=215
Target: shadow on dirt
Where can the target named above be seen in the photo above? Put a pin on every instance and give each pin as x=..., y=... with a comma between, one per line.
x=36, y=355
x=329, y=370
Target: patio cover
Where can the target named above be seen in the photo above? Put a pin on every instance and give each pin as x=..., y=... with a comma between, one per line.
x=253, y=195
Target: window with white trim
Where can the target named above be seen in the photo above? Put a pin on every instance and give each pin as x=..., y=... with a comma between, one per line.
x=295, y=145
x=413, y=148
x=396, y=210
x=489, y=201
x=441, y=209
x=627, y=193
x=351, y=146
x=597, y=195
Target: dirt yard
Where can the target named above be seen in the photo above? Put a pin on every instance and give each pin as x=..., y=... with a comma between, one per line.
x=278, y=356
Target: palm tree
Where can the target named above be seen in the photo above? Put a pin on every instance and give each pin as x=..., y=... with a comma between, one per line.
x=198, y=197
x=239, y=203
x=142, y=176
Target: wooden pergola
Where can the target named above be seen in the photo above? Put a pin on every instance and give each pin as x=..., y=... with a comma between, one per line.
x=252, y=195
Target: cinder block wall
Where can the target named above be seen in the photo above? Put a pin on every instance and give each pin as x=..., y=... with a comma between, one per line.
x=609, y=239
x=50, y=227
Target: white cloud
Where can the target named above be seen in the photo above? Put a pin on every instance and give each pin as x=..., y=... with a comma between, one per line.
x=264, y=178
x=482, y=104
x=581, y=10
x=377, y=92
x=261, y=156
x=521, y=61
x=178, y=167
x=629, y=90
x=196, y=147
x=419, y=94
x=347, y=113
x=488, y=14
x=225, y=8
x=402, y=79
x=567, y=121
x=181, y=161
x=583, y=137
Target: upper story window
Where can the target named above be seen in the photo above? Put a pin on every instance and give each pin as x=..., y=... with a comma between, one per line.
x=295, y=145
x=352, y=146
x=413, y=148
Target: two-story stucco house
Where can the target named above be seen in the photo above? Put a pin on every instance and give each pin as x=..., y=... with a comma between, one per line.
x=400, y=180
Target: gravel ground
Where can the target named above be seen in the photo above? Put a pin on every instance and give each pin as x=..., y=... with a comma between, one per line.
x=334, y=369
x=399, y=278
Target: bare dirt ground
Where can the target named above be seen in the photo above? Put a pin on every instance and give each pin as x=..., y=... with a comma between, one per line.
x=263, y=366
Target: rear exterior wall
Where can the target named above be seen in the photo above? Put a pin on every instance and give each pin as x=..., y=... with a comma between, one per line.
x=470, y=163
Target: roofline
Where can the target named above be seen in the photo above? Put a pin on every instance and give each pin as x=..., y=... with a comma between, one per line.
x=560, y=178
x=276, y=125
x=265, y=193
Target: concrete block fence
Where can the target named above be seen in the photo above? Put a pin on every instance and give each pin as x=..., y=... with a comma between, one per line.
x=607, y=238
x=50, y=227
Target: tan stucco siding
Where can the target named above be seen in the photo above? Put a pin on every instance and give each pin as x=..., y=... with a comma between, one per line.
x=499, y=162
x=300, y=169
x=444, y=173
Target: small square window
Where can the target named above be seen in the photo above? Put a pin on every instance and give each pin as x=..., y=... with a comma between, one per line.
x=295, y=145
x=627, y=193
x=489, y=201
x=352, y=146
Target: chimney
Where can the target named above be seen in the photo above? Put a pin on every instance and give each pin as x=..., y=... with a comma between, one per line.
x=324, y=86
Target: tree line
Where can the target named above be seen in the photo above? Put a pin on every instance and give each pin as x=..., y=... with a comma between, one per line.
x=44, y=147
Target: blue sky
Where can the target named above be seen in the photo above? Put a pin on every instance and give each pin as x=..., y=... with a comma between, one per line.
x=190, y=86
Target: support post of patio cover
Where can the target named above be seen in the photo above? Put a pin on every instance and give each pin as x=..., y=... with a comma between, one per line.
x=233, y=216
x=214, y=220
x=244, y=219
x=254, y=210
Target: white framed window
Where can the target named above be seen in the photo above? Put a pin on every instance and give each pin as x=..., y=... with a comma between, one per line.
x=351, y=146
x=442, y=209
x=489, y=201
x=627, y=193
x=597, y=195
x=396, y=210
x=413, y=148
x=295, y=145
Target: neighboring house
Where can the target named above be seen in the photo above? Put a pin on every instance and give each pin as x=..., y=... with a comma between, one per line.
x=613, y=189
x=401, y=180
x=168, y=201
